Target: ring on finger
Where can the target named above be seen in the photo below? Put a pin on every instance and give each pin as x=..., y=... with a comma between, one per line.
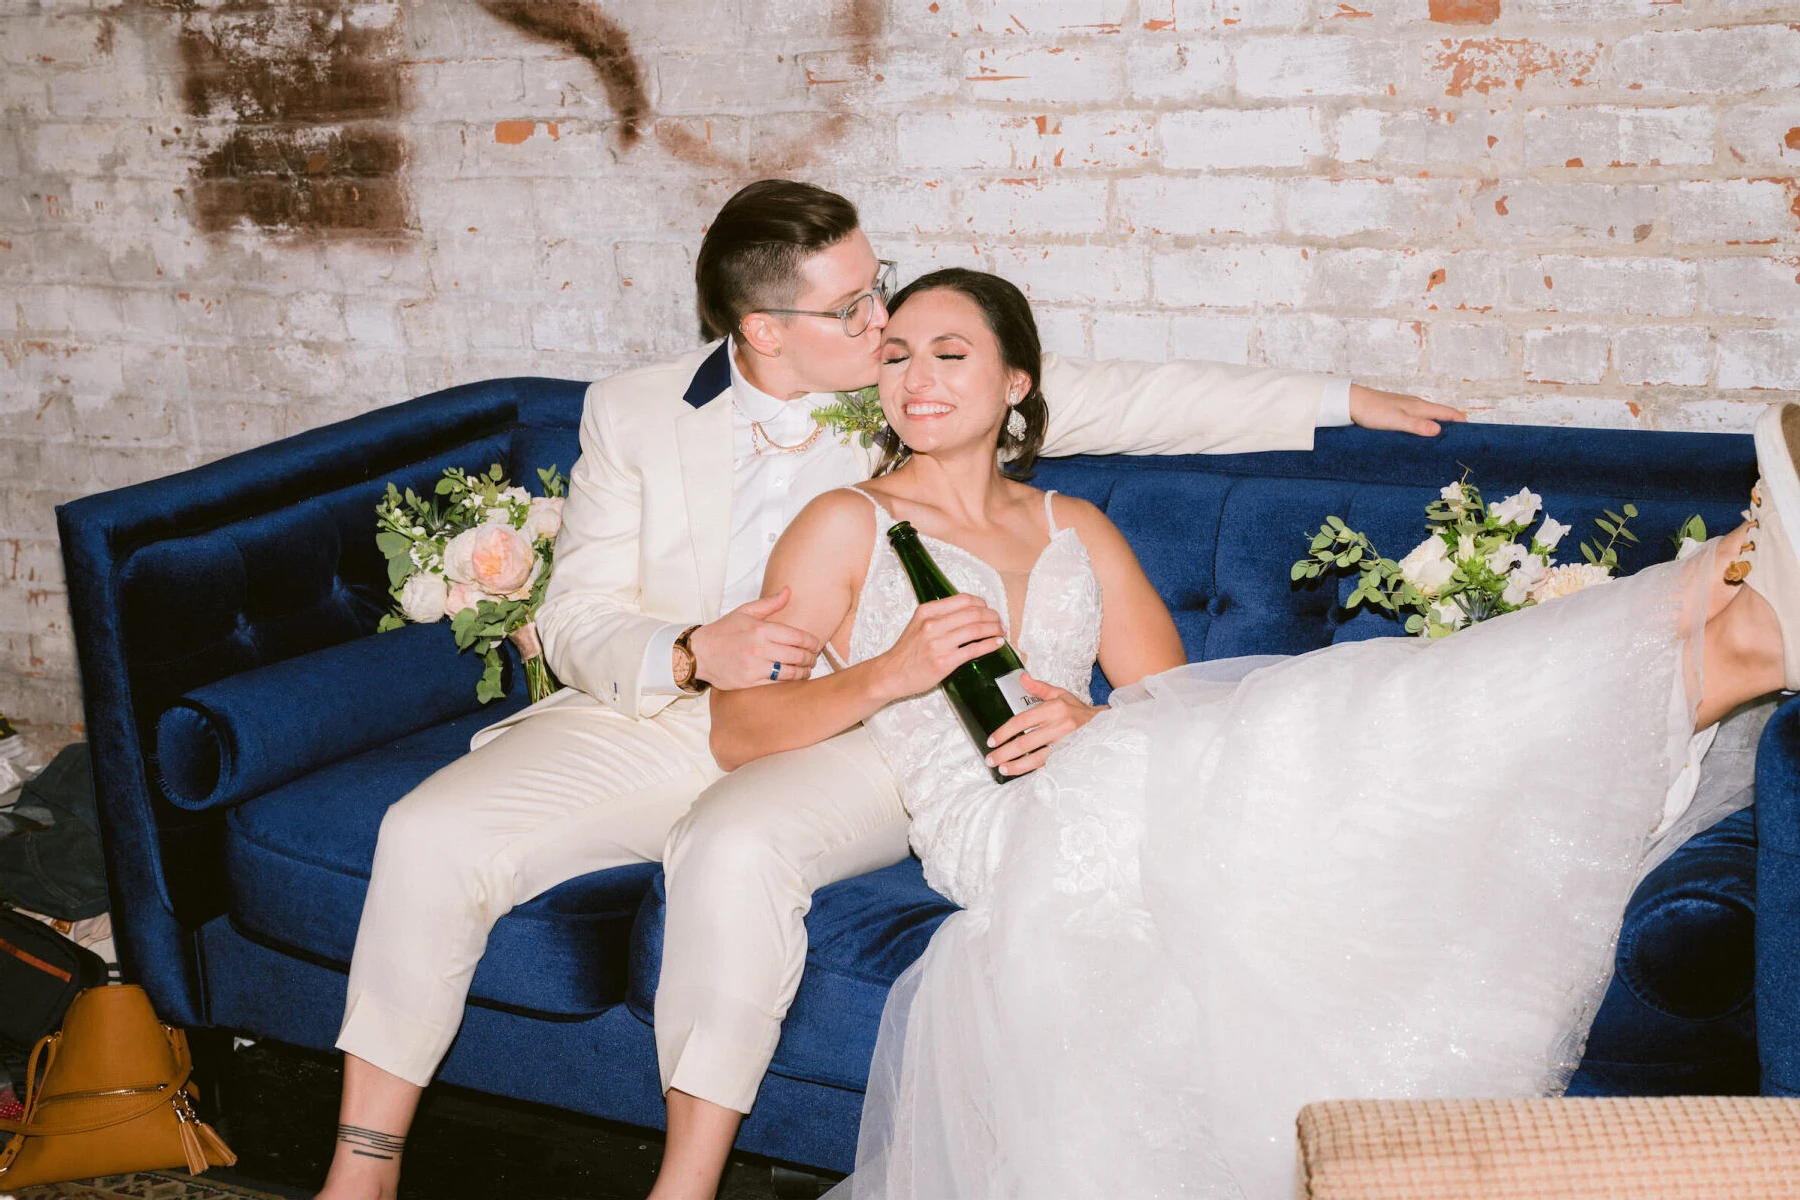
x=774, y=672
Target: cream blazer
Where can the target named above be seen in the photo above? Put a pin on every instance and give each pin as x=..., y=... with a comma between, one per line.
x=644, y=532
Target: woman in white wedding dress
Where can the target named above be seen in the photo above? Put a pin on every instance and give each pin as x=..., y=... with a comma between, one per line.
x=1391, y=868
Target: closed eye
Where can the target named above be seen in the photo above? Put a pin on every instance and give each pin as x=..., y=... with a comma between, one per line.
x=954, y=357
x=888, y=362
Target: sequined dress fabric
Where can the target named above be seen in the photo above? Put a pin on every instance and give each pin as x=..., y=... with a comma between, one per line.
x=1392, y=868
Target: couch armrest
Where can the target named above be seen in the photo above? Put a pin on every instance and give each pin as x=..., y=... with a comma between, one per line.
x=249, y=733
x=149, y=627
x=1778, y=902
x=1554, y=1149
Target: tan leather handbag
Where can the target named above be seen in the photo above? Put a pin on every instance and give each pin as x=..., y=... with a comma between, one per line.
x=113, y=1098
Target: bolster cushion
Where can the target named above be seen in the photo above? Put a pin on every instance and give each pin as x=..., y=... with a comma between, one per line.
x=239, y=737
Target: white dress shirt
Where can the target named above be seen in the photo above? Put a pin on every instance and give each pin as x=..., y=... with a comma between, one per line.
x=768, y=490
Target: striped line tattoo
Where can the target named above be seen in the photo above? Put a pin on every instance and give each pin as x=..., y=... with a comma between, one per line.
x=371, y=1143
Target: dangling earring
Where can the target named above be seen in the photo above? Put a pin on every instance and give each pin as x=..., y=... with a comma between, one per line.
x=1015, y=425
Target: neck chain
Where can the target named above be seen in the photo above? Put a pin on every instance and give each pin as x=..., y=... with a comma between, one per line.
x=761, y=442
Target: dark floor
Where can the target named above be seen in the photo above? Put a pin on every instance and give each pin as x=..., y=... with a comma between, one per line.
x=283, y=1116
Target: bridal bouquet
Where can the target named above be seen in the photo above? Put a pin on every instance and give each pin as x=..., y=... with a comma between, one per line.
x=1478, y=561
x=479, y=553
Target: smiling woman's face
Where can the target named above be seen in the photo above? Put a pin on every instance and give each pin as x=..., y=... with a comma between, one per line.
x=943, y=381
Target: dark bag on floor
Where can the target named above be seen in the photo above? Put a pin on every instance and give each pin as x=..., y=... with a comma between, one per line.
x=40, y=973
x=56, y=868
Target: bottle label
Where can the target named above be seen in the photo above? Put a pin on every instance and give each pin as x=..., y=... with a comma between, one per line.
x=1012, y=686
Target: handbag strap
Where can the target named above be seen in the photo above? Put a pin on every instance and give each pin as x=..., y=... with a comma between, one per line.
x=31, y=1127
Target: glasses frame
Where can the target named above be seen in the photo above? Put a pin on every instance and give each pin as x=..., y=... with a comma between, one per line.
x=886, y=271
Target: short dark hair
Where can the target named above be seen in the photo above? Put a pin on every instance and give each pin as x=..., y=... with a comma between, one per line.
x=1009, y=319
x=750, y=257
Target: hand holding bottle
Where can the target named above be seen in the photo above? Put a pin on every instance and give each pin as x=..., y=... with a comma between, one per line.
x=942, y=636
x=1023, y=743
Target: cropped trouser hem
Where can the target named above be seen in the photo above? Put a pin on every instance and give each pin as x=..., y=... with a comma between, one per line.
x=401, y=1043
x=721, y=1052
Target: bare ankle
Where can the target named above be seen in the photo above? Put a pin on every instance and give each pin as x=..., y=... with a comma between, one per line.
x=366, y=1165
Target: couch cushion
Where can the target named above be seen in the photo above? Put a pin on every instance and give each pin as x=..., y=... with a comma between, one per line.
x=861, y=934
x=298, y=857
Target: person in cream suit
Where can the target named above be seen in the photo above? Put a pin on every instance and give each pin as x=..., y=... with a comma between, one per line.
x=689, y=471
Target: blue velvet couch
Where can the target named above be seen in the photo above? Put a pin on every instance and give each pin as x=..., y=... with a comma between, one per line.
x=240, y=599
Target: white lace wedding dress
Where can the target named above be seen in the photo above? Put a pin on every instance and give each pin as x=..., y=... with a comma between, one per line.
x=1392, y=868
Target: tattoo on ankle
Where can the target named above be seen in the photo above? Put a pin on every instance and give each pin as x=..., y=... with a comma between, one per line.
x=371, y=1143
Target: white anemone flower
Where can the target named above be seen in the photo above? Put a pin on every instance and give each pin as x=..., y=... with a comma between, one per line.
x=1428, y=567
x=1550, y=533
x=1518, y=509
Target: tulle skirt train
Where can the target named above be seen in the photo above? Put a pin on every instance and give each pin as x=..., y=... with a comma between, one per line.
x=1392, y=868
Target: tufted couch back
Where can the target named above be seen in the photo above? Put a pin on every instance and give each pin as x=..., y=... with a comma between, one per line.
x=270, y=554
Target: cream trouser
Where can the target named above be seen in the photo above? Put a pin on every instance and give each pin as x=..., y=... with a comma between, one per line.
x=576, y=789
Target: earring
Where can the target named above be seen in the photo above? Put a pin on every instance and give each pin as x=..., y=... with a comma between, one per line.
x=1015, y=425
x=777, y=353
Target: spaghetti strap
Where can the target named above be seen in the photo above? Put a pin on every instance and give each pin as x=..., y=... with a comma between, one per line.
x=880, y=511
x=1050, y=514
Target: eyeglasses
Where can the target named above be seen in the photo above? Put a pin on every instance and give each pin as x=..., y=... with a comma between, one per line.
x=857, y=314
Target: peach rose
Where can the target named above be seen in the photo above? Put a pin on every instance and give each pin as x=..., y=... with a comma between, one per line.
x=461, y=596
x=496, y=558
x=545, y=518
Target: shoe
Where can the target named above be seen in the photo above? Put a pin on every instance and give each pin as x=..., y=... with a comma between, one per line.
x=1767, y=561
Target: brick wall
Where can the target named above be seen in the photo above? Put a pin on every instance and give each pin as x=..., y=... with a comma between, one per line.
x=223, y=222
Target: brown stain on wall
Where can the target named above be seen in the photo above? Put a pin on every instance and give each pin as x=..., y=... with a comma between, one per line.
x=780, y=156
x=861, y=23
x=313, y=101
x=1465, y=12
x=583, y=28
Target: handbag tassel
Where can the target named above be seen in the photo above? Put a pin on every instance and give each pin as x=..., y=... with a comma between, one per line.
x=197, y=1137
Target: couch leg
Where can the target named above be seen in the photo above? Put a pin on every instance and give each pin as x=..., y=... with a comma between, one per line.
x=793, y=1184
x=213, y=1075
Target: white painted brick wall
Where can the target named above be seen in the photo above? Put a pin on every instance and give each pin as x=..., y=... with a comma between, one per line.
x=1585, y=212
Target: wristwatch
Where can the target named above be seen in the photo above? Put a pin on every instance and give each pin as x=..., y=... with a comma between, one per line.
x=687, y=666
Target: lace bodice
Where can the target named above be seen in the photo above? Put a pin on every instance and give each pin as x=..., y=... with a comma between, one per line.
x=956, y=807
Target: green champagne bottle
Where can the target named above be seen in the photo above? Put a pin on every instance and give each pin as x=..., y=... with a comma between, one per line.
x=986, y=692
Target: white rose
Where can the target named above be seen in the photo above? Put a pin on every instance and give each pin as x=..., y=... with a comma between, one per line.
x=459, y=554
x=422, y=597
x=1518, y=509
x=515, y=495
x=1569, y=579
x=1428, y=567
x=1449, y=612
x=545, y=518
x=1550, y=533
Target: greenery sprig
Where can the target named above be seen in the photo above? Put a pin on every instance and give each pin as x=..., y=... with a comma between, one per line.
x=854, y=414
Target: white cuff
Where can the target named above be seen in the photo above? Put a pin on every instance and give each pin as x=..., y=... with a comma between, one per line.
x=1334, y=402
x=657, y=675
